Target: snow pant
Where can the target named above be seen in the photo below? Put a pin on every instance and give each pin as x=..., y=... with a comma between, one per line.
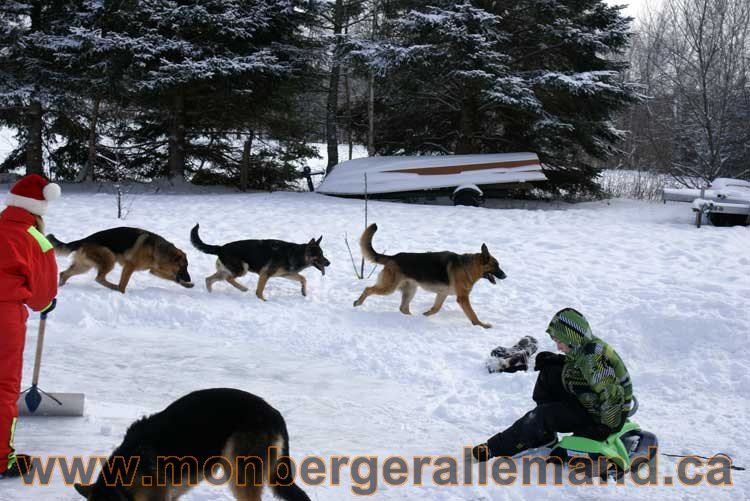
x=12, y=339
x=556, y=411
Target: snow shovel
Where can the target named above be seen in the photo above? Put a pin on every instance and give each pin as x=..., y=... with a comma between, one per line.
x=35, y=402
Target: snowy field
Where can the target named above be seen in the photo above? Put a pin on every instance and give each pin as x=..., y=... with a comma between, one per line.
x=671, y=299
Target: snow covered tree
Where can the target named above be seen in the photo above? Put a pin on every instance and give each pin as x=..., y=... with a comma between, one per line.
x=32, y=84
x=232, y=64
x=192, y=70
x=694, y=64
x=496, y=76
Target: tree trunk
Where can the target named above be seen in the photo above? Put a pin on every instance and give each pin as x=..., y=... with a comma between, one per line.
x=34, y=157
x=245, y=168
x=371, y=91
x=332, y=133
x=177, y=139
x=349, y=137
x=371, y=117
x=467, y=127
x=332, y=105
x=87, y=173
x=348, y=99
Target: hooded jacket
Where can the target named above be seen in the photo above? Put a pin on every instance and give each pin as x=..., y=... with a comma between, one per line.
x=593, y=371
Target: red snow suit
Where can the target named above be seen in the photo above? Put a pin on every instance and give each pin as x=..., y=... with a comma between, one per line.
x=28, y=277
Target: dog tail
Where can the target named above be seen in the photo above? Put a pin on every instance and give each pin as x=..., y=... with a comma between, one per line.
x=61, y=248
x=365, y=245
x=285, y=488
x=200, y=245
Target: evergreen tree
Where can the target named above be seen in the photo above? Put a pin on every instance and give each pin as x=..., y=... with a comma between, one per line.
x=213, y=64
x=188, y=78
x=497, y=76
x=32, y=83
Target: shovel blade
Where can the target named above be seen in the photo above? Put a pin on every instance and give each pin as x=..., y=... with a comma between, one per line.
x=51, y=404
x=33, y=399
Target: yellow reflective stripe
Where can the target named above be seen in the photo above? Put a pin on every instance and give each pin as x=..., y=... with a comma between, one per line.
x=12, y=455
x=41, y=239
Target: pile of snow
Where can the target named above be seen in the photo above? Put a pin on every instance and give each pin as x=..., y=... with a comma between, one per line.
x=671, y=299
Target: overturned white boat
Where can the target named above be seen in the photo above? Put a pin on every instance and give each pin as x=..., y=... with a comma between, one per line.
x=725, y=202
x=395, y=175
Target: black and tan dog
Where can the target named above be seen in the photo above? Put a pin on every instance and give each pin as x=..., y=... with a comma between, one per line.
x=444, y=273
x=178, y=447
x=267, y=258
x=133, y=248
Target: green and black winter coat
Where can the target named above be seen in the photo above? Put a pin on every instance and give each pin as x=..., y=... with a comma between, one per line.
x=593, y=371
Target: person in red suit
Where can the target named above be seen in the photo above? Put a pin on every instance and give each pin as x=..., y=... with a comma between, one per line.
x=28, y=278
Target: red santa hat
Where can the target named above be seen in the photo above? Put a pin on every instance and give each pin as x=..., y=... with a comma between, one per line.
x=32, y=193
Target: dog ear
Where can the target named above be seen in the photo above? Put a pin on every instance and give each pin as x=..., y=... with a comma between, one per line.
x=83, y=490
x=318, y=241
x=485, y=252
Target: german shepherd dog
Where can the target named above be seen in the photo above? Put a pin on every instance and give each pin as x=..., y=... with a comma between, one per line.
x=232, y=426
x=444, y=273
x=133, y=248
x=267, y=258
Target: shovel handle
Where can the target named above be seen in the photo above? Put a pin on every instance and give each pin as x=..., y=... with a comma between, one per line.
x=39, y=346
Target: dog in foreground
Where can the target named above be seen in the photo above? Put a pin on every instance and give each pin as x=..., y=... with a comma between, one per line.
x=133, y=248
x=267, y=258
x=444, y=273
x=220, y=422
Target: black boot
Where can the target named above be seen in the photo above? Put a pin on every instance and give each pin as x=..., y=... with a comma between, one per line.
x=21, y=466
x=527, y=432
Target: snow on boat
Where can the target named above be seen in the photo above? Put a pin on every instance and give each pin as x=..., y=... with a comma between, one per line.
x=726, y=202
x=396, y=174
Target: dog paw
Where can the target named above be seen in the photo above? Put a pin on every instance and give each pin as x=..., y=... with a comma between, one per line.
x=485, y=325
x=428, y=313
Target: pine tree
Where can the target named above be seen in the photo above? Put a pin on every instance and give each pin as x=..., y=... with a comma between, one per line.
x=213, y=64
x=498, y=76
x=32, y=83
x=187, y=76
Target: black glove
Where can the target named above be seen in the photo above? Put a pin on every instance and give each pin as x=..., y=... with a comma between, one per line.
x=547, y=358
x=49, y=308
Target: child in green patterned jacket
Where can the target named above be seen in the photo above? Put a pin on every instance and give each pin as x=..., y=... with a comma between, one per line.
x=586, y=391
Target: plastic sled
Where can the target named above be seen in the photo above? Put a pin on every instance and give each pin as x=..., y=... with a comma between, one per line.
x=628, y=449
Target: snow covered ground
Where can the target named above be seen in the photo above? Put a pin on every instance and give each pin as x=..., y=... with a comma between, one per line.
x=670, y=298
x=7, y=142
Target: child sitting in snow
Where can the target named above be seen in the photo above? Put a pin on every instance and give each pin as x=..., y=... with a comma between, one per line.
x=28, y=277
x=586, y=391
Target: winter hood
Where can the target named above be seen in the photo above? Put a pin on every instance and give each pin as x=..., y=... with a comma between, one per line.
x=570, y=327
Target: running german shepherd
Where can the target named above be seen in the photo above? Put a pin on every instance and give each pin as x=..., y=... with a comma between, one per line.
x=444, y=273
x=172, y=450
x=267, y=258
x=133, y=248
